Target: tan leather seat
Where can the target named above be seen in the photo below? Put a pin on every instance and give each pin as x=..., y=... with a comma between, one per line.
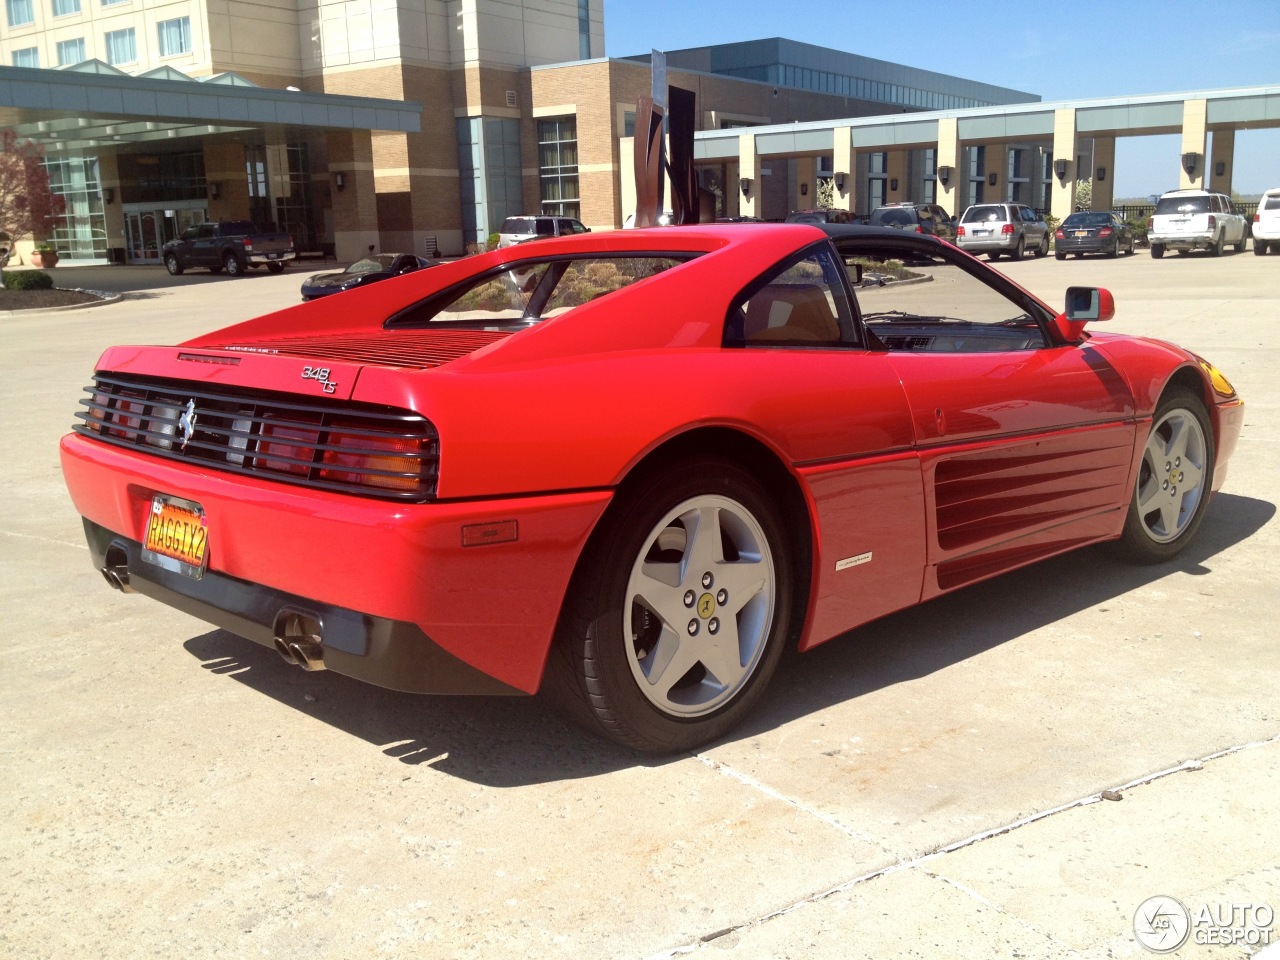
x=791, y=312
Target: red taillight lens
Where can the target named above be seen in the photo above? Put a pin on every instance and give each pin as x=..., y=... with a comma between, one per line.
x=246, y=243
x=1059, y=234
x=369, y=461
x=286, y=447
x=1105, y=232
x=1213, y=222
x=959, y=231
x=123, y=415
x=1007, y=230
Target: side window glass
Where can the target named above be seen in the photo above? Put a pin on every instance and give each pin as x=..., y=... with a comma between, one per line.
x=501, y=297
x=927, y=302
x=802, y=304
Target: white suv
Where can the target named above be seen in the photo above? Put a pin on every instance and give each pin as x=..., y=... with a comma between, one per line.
x=1196, y=220
x=1266, y=223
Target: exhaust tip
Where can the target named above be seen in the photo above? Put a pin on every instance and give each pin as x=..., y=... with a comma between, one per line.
x=308, y=654
x=115, y=569
x=282, y=648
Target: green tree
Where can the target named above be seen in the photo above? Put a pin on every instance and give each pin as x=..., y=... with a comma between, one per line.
x=1084, y=194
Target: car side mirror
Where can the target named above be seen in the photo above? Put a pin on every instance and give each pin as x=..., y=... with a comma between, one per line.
x=854, y=269
x=1084, y=304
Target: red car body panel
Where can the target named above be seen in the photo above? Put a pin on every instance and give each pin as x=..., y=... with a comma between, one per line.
x=920, y=472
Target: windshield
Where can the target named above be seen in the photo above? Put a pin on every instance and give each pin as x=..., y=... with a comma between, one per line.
x=1182, y=205
x=371, y=264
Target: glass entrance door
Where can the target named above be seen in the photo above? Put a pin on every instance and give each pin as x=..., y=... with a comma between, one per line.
x=144, y=237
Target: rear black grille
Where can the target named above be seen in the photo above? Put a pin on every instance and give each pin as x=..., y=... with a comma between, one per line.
x=343, y=447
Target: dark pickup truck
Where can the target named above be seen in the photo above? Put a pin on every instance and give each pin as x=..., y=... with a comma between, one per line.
x=233, y=246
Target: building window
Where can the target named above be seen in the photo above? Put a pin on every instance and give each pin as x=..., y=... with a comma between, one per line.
x=20, y=12
x=584, y=29
x=121, y=46
x=175, y=36
x=63, y=8
x=81, y=232
x=70, y=51
x=558, y=166
x=111, y=3
x=27, y=57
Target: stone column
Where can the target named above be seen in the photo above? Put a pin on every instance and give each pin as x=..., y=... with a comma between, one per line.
x=749, y=168
x=948, y=155
x=1195, y=137
x=843, y=168
x=1064, y=148
x=805, y=197
x=355, y=205
x=1224, y=153
x=1104, y=173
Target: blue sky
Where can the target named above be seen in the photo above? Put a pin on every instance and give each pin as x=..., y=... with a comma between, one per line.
x=1094, y=49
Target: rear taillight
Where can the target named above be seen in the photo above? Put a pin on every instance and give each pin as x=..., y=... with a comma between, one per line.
x=919, y=229
x=127, y=415
x=1105, y=232
x=286, y=447
x=1007, y=230
x=1059, y=234
x=1213, y=222
x=1257, y=218
x=959, y=231
x=389, y=463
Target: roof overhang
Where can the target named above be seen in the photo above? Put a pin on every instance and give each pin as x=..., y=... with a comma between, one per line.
x=96, y=107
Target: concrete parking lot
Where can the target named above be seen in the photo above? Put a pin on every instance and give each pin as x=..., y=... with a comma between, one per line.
x=926, y=786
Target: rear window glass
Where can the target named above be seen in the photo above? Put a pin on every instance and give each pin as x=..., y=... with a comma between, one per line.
x=533, y=290
x=1167, y=205
x=893, y=217
x=517, y=225
x=1271, y=203
x=981, y=214
x=1087, y=220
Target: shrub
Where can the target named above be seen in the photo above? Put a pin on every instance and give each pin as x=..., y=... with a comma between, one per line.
x=27, y=280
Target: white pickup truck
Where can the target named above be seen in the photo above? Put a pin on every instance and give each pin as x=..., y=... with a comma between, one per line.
x=1196, y=220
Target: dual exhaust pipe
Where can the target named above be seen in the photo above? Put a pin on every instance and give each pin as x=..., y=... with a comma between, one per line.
x=298, y=640
x=296, y=636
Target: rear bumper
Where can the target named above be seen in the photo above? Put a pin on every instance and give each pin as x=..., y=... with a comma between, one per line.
x=389, y=565
x=270, y=257
x=386, y=653
x=1085, y=245
x=1183, y=241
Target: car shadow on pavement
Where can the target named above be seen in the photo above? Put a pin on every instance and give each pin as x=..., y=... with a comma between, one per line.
x=516, y=741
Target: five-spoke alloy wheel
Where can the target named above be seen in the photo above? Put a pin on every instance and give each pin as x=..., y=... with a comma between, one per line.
x=1174, y=480
x=680, y=610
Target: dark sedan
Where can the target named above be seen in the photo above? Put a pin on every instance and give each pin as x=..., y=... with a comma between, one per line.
x=382, y=266
x=1092, y=232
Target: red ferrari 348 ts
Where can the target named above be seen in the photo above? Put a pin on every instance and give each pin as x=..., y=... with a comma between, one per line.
x=630, y=468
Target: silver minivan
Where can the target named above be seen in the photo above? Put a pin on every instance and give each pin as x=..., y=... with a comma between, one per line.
x=1002, y=228
x=522, y=229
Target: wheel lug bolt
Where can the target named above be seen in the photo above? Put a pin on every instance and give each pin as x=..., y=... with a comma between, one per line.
x=722, y=597
x=1167, y=466
x=693, y=628
x=1177, y=462
x=689, y=598
x=707, y=580
x=713, y=625
x=1165, y=485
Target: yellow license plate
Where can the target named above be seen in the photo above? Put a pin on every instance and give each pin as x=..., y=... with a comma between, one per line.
x=177, y=536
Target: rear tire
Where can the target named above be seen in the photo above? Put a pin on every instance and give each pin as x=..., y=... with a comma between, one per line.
x=1239, y=247
x=1259, y=248
x=1174, y=482
x=1043, y=249
x=678, y=612
x=1218, y=246
x=173, y=265
x=1018, y=249
x=275, y=267
x=1157, y=250
x=232, y=265
x=1059, y=255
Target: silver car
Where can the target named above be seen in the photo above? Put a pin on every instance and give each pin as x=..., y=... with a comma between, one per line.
x=1002, y=228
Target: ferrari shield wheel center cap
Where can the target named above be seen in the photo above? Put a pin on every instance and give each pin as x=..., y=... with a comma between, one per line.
x=706, y=605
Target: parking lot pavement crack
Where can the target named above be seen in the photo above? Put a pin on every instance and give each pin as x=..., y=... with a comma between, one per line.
x=60, y=543
x=1187, y=766
x=828, y=819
